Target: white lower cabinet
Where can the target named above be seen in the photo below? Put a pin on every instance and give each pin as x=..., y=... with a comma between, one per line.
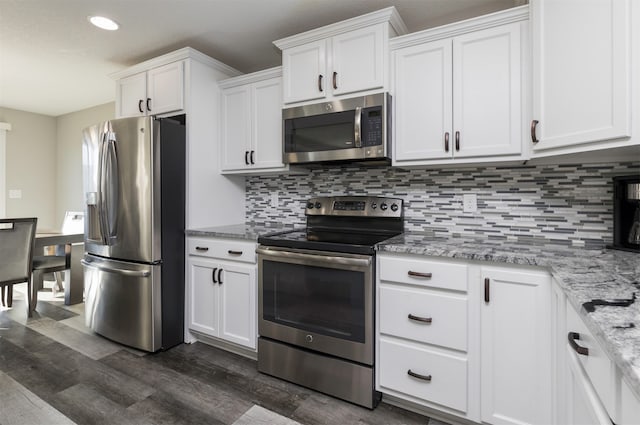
x=464, y=339
x=515, y=346
x=221, y=290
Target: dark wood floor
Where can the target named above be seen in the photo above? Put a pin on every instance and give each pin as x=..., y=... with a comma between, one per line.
x=53, y=370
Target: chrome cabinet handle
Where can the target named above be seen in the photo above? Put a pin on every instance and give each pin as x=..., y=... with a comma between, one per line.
x=320, y=83
x=419, y=274
x=140, y=106
x=446, y=141
x=487, y=289
x=457, y=141
x=213, y=275
x=335, y=80
x=534, y=139
x=573, y=337
x=419, y=376
x=420, y=319
x=202, y=248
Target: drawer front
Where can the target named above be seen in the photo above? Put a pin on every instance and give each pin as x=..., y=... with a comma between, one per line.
x=424, y=317
x=223, y=249
x=424, y=273
x=448, y=384
x=596, y=363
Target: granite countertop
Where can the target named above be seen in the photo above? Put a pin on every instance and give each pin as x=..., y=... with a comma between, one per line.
x=583, y=274
x=245, y=231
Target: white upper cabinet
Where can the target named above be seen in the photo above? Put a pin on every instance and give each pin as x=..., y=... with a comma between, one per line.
x=251, y=123
x=583, y=74
x=460, y=98
x=157, y=91
x=340, y=59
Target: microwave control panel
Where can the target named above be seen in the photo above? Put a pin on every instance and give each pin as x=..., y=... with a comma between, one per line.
x=372, y=126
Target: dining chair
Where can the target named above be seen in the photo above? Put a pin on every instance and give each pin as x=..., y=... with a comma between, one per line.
x=58, y=258
x=17, y=239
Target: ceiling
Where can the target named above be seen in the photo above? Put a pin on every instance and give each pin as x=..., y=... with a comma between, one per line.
x=52, y=61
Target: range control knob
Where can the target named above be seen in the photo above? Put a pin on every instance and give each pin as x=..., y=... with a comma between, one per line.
x=318, y=205
x=374, y=205
x=383, y=206
x=394, y=207
x=310, y=205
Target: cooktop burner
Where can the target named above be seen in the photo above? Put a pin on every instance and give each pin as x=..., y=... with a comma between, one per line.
x=349, y=224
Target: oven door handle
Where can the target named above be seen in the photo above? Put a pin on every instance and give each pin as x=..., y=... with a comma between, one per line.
x=346, y=261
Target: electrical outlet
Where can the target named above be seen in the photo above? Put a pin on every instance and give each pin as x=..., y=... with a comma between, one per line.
x=469, y=203
x=274, y=200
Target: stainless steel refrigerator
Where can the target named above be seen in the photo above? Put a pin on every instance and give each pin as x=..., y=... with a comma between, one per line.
x=134, y=188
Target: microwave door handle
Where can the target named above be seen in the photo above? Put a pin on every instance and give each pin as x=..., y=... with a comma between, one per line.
x=357, y=127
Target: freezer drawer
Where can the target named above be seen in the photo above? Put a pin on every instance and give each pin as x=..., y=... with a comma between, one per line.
x=123, y=301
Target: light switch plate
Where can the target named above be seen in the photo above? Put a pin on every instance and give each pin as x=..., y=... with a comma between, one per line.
x=469, y=203
x=15, y=194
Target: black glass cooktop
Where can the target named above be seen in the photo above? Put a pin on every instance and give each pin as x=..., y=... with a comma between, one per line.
x=326, y=240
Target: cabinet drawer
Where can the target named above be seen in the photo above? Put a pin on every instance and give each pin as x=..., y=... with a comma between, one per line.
x=425, y=273
x=448, y=384
x=597, y=365
x=224, y=249
x=436, y=319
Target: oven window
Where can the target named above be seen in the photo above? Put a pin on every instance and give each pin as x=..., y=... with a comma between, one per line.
x=320, y=133
x=315, y=299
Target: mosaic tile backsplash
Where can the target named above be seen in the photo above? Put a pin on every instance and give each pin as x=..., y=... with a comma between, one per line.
x=567, y=204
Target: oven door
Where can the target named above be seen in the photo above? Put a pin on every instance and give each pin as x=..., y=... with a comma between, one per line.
x=321, y=301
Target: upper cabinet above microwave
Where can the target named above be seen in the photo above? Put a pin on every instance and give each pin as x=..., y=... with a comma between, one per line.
x=341, y=59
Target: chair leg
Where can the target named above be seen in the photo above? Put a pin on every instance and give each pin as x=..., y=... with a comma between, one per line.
x=2, y=290
x=36, y=283
x=9, y=295
x=29, y=309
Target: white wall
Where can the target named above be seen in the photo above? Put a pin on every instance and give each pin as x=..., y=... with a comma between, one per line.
x=31, y=166
x=44, y=161
x=69, y=195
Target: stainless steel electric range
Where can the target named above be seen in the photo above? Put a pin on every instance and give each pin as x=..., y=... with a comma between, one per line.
x=317, y=296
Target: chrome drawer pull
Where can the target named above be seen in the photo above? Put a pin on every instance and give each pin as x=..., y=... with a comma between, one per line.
x=232, y=252
x=418, y=376
x=572, y=337
x=418, y=274
x=420, y=319
x=202, y=248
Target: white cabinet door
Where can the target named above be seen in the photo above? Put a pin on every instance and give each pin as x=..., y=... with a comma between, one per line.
x=422, y=101
x=515, y=347
x=267, y=124
x=581, y=71
x=303, y=72
x=583, y=407
x=238, y=304
x=235, y=125
x=357, y=60
x=487, y=92
x=131, y=95
x=203, y=296
x=165, y=88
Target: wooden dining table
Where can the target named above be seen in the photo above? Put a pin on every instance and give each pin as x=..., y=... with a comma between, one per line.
x=74, y=280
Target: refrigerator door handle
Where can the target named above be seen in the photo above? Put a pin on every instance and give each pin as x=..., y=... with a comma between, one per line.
x=111, y=188
x=101, y=189
x=132, y=273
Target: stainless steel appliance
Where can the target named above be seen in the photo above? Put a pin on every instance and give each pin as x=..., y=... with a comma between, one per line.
x=356, y=129
x=134, y=184
x=626, y=213
x=317, y=296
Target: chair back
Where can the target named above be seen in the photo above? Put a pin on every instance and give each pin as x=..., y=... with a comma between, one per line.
x=73, y=222
x=17, y=238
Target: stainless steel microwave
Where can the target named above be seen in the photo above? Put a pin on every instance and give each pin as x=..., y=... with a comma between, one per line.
x=355, y=129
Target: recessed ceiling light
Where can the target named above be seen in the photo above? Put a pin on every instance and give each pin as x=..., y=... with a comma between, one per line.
x=104, y=23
